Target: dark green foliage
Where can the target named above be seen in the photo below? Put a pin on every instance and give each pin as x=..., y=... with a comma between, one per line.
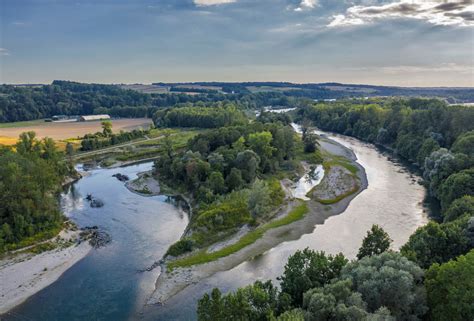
x=308, y=269
x=437, y=243
x=30, y=179
x=107, y=138
x=202, y=117
x=337, y=301
x=465, y=144
x=310, y=143
x=455, y=186
x=463, y=206
x=376, y=242
x=389, y=280
x=180, y=247
x=450, y=289
x=254, y=302
x=70, y=98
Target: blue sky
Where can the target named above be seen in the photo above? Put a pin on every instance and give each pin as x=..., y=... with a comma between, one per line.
x=400, y=42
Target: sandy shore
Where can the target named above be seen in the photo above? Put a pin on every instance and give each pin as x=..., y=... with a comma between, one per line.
x=144, y=185
x=26, y=274
x=170, y=283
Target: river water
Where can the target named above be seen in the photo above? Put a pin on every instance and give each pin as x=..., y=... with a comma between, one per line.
x=106, y=285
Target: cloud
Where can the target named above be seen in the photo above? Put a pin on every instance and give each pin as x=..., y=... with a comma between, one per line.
x=457, y=13
x=212, y=2
x=306, y=4
x=4, y=52
x=408, y=69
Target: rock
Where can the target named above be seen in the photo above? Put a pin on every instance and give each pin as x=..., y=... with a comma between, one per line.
x=96, y=203
x=97, y=238
x=121, y=177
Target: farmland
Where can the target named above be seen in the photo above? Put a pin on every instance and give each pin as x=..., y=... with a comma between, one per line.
x=65, y=130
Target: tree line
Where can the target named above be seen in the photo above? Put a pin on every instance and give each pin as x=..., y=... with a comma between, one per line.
x=379, y=285
x=31, y=175
x=199, y=116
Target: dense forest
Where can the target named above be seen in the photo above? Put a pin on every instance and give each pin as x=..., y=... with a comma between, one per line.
x=19, y=103
x=201, y=117
x=31, y=175
x=228, y=172
x=430, y=278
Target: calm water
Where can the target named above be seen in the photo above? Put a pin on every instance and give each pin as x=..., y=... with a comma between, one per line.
x=106, y=285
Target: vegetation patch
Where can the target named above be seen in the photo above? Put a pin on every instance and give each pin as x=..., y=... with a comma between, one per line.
x=204, y=257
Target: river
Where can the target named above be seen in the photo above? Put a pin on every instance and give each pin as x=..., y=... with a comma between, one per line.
x=106, y=285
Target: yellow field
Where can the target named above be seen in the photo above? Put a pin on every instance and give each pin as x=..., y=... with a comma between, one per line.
x=62, y=131
x=7, y=140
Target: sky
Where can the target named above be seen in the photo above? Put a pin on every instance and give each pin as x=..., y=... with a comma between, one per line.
x=380, y=42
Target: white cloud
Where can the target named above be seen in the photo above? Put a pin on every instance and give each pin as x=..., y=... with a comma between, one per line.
x=307, y=4
x=460, y=13
x=4, y=52
x=212, y=2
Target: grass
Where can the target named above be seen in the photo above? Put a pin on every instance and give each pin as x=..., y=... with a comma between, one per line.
x=340, y=162
x=39, y=237
x=338, y=198
x=202, y=256
x=22, y=123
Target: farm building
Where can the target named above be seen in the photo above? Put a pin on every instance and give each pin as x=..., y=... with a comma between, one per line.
x=94, y=117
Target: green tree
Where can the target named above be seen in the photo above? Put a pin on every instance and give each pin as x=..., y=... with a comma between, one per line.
x=464, y=144
x=310, y=143
x=308, y=269
x=216, y=182
x=450, y=289
x=247, y=161
x=455, y=186
x=337, y=301
x=234, y=180
x=389, y=280
x=460, y=207
x=259, y=202
x=69, y=149
x=376, y=242
x=107, y=128
x=437, y=243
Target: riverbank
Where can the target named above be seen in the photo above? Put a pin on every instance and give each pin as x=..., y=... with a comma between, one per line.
x=172, y=281
x=25, y=274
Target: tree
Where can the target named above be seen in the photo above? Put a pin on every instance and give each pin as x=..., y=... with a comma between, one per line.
x=389, y=280
x=259, y=202
x=234, y=180
x=337, y=301
x=376, y=242
x=247, y=161
x=216, y=182
x=69, y=149
x=463, y=206
x=455, y=186
x=107, y=128
x=464, y=144
x=260, y=143
x=308, y=269
x=310, y=143
x=437, y=243
x=450, y=289
x=254, y=302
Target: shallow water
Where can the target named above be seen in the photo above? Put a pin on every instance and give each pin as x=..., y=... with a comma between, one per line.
x=106, y=285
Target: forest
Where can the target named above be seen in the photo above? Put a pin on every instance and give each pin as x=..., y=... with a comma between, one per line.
x=430, y=278
x=200, y=116
x=31, y=176
x=20, y=103
x=229, y=173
